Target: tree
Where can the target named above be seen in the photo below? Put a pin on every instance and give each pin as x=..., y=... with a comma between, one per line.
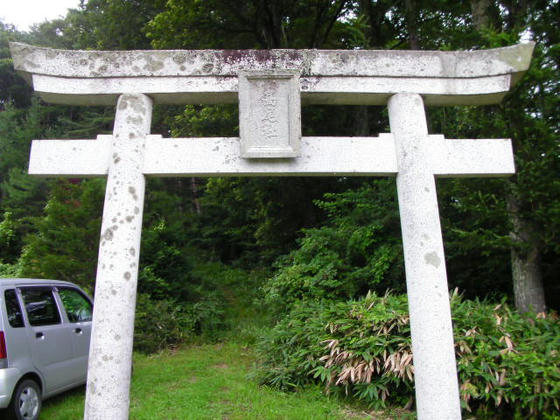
x=250, y=24
x=13, y=89
x=100, y=24
x=358, y=249
x=528, y=201
x=531, y=195
x=66, y=243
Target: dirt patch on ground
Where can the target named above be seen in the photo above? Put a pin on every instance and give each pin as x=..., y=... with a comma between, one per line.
x=221, y=366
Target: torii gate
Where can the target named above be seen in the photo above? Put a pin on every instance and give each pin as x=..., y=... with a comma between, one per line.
x=269, y=85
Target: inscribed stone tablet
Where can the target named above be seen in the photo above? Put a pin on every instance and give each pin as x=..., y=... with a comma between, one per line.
x=269, y=114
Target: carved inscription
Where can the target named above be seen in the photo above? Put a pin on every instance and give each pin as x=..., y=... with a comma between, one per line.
x=269, y=119
x=269, y=114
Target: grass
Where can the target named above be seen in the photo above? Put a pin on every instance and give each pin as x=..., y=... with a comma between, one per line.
x=210, y=381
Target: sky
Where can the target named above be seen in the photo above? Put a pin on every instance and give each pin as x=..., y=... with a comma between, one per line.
x=24, y=13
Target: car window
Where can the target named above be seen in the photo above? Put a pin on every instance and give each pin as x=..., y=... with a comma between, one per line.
x=77, y=306
x=15, y=318
x=40, y=306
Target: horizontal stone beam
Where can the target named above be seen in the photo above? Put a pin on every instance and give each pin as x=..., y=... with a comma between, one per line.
x=471, y=158
x=218, y=156
x=320, y=156
x=72, y=158
x=314, y=90
x=358, y=77
x=372, y=63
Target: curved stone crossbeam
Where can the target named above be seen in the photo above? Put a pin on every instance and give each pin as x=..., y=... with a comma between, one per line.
x=357, y=77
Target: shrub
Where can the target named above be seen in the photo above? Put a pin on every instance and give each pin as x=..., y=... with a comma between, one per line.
x=507, y=362
x=208, y=315
x=359, y=249
x=9, y=270
x=160, y=324
x=291, y=350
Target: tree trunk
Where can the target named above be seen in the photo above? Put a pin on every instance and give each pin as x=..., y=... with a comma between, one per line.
x=480, y=13
x=412, y=24
x=361, y=121
x=528, y=288
x=195, y=200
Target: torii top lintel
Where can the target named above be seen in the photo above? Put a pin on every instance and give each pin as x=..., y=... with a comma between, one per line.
x=358, y=77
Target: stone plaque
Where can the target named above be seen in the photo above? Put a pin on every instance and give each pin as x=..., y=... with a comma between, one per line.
x=269, y=114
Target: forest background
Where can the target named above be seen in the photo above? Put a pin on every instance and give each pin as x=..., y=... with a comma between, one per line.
x=253, y=257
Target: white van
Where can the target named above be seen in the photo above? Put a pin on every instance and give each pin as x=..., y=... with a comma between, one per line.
x=45, y=329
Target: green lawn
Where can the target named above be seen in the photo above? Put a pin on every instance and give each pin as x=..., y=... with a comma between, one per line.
x=209, y=382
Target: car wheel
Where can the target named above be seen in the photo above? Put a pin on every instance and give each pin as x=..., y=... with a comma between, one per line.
x=26, y=401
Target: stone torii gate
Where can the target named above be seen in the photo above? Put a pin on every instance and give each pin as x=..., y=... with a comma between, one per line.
x=270, y=85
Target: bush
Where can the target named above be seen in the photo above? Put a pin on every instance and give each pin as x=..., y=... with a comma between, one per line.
x=507, y=362
x=208, y=315
x=227, y=307
x=160, y=324
x=9, y=270
x=290, y=351
x=359, y=249
x=216, y=305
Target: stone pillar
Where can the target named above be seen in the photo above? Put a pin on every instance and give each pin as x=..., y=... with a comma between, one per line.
x=437, y=390
x=110, y=358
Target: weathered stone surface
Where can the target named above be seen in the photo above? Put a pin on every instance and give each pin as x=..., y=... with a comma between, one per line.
x=374, y=63
x=320, y=156
x=331, y=77
x=71, y=157
x=435, y=372
x=269, y=114
x=469, y=158
x=110, y=360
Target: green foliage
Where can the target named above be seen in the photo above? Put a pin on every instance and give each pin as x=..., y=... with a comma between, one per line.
x=254, y=220
x=13, y=89
x=207, y=315
x=476, y=227
x=197, y=24
x=508, y=363
x=24, y=197
x=236, y=294
x=165, y=267
x=100, y=24
x=356, y=251
x=219, y=304
x=17, y=127
x=66, y=244
x=7, y=235
x=289, y=352
x=204, y=121
x=342, y=345
x=9, y=270
x=160, y=324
